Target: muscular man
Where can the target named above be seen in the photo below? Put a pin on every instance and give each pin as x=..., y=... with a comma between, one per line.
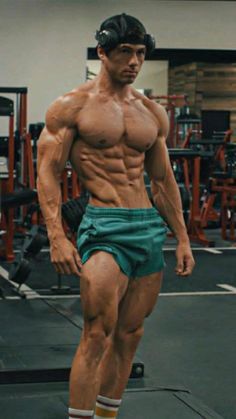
x=111, y=134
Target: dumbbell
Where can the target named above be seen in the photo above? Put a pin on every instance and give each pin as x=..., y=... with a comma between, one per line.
x=20, y=270
x=33, y=243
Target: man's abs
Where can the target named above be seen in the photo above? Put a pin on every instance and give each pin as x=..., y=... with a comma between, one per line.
x=113, y=175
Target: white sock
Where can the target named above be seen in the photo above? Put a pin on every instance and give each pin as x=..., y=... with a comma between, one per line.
x=80, y=414
x=106, y=408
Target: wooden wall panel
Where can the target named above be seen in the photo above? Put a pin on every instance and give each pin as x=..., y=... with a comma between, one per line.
x=208, y=86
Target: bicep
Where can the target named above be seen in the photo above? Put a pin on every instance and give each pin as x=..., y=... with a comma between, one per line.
x=157, y=162
x=54, y=148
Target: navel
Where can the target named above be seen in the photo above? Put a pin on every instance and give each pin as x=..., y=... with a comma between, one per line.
x=102, y=141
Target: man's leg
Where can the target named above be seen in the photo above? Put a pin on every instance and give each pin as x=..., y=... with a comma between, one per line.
x=137, y=303
x=102, y=286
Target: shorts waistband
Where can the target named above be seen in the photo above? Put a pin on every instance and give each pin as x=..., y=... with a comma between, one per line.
x=124, y=213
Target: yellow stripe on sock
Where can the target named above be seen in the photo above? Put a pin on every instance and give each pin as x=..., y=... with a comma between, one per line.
x=105, y=413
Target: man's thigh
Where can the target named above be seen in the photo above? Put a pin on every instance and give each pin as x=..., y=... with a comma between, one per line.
x=139, y=300
x=102, y=285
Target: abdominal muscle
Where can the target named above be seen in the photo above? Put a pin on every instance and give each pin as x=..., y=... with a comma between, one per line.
x=112, y=175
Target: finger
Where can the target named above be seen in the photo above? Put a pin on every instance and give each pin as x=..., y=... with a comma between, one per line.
x=68, y=267
x=71, y=267
x=64, y=268
x=186, y=272
x=189, y=265
x=78, y=260
x=74, y=268
x=57, y=268
x=179, y=268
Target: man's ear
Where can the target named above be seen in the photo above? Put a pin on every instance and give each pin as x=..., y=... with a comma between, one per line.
x=101, y=53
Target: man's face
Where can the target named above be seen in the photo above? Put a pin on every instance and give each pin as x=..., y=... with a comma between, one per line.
x=124, y=62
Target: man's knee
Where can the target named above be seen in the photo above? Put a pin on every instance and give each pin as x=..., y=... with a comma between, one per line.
x=128, y=338
x=94, y=343
x=96, y=337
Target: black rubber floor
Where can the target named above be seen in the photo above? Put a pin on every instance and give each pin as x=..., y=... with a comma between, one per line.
x=210, y=270
x=50, y=402
x=188, y=349
x=191, y=341
x=188, y=342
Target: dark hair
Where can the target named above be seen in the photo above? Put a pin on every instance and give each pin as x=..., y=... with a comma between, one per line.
x=123, y=29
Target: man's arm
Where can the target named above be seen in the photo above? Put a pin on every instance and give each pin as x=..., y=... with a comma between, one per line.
x=53, y=150
x=166, y=195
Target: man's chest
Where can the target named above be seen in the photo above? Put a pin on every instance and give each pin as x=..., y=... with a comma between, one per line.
x=105, y=124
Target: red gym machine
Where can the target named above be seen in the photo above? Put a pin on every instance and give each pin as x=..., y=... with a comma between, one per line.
x=26, y=177
x=171, y=102
x=7, y=177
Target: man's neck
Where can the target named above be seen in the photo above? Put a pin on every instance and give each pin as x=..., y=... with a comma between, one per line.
x=110, y=87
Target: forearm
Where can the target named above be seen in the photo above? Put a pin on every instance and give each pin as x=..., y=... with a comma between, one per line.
x=166, y=197
x=53, y=150
x=49, y=193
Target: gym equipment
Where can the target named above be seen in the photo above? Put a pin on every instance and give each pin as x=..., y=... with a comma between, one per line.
x=186, y=201
x=70, y=183
x=224, y=183
x=171, y=103
x=7, y=179
x=217, y=144
x=195, y=229
x=73, y=211
x=35, y=131
x=219, y=180
x=22, y=138
x=19, y=270
x=19, y=197
x=10, y=201
x=35, y=239
x=185, y=121
x=21, y=106
x=59, y=288
x=18, y=152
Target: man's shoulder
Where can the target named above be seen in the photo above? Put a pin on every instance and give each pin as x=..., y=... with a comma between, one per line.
x=76, y=97
x=157, y=110
x=64, y=110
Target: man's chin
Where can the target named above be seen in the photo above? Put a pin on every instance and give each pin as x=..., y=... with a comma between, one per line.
x=129, y=79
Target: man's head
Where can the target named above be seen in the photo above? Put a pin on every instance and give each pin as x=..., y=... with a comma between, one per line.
x=122, y=45
x=123, y=29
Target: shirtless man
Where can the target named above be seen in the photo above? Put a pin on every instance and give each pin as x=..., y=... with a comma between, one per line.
x=111, y=134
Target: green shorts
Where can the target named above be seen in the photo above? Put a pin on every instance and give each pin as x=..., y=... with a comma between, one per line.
x=133, y=236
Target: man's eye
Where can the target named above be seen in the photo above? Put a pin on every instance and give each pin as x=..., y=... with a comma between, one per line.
x=125, y=50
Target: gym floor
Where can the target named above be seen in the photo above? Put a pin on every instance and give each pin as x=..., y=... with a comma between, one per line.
x=188, y=351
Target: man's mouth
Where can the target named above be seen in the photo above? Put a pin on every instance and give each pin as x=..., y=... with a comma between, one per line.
x=130, y=72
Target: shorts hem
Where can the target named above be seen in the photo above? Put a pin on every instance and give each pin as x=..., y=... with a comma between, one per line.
x=149, y=272
x=87, y=254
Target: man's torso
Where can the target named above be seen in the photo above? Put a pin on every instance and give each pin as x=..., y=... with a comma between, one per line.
x=109, y=153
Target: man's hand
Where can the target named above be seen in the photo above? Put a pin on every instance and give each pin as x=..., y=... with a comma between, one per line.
x=185, y=261
x=65, y=257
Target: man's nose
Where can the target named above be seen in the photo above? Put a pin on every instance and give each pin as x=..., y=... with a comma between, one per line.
x=133, y=60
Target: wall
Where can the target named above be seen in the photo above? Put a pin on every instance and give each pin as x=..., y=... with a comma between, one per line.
x=43, y=42
x=208, y=86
